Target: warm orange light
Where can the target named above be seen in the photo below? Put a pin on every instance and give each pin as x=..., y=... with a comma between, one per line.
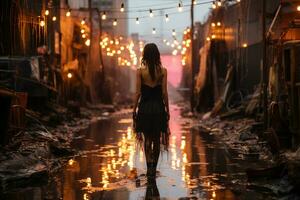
x=42, y=23
x=88, y=42
x=214, y=6
x=68, y=13
x=103, y=16
x=115, y=23
x=245, y=45
x=47, y=12
x=122, y=7
x=69, y=75
x=298, y=8
x=174, y=52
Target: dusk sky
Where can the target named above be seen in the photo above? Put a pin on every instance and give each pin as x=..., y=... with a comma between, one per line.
x=178, y=21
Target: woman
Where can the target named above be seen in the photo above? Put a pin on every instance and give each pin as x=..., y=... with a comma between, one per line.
x=151, y=119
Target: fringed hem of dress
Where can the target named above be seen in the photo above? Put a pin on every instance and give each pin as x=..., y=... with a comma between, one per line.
x=164, y=139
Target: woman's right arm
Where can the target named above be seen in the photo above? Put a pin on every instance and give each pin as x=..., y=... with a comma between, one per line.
x=165, y=91
x=138, y=90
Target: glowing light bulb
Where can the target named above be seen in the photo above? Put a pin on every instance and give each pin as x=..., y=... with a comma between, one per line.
x=219, y=3
x=213, y=24
x=68, y=13
x=104, y=16
x=194, y=2
x=245, y=45
x=153, y=31
x=179, y=7
x=173, y=32
x=88, y=42
x=42, y=23
x=83, y=36
x=167, y=18
x=115, y=23
x=218, y=23
x=82, y=30
x=54, y=18
x=69, y=75
x=174, y=52
x=151, y=13
x=298, y=8
x=82, y=22
x=214, y=6
x=47, y=12
x=122, y=7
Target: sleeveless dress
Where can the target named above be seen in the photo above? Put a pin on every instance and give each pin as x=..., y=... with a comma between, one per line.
x=151, y=119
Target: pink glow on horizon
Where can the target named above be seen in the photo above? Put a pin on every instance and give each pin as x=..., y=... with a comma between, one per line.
x=174, y=67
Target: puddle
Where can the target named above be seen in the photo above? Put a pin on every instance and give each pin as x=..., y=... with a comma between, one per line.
x=110, y=166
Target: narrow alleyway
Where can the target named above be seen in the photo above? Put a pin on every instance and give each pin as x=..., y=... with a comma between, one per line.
x=109, y=165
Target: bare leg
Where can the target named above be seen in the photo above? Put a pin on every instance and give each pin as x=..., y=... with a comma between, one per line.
x=152, y=150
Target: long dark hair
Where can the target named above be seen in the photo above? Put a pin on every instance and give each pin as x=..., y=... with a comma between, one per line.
x=151, y=59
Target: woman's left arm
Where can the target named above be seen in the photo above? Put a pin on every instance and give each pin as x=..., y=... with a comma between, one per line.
x=138, y=91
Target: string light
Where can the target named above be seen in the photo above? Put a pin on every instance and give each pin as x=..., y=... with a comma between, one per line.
x=167, y=18
x=104, y=16
x=238, y=1
x=219, y=3
x=218, y=23
x=137, y=21
x=69, y=75
x=298, y=8
x=82, y=22
x=68, y=13
x=214, y=6
x=174, y=52
x=122, y=7
x=83, y=36
x=208, y=38
x=82, y=30
x=47, y=12
x=153, y=31
x=213, y=24
x=151, y=13
x=115, y=23
x=179, y=7
x=54, y=18
x=42, y=23
x=194, y=2
x=245, y=45
x=173, y=32
x=88, y=42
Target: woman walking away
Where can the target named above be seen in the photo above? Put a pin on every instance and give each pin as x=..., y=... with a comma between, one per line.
x=151, y=107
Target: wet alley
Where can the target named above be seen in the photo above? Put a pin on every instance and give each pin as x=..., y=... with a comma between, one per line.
x=110, y=166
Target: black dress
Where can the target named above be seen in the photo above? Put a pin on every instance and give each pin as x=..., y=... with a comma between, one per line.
x=152, y=119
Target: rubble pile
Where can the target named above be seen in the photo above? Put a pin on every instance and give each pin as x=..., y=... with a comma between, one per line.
x=239, y=135
x=33, y=154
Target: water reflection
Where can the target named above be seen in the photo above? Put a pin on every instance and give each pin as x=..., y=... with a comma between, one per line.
x=111, y=166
